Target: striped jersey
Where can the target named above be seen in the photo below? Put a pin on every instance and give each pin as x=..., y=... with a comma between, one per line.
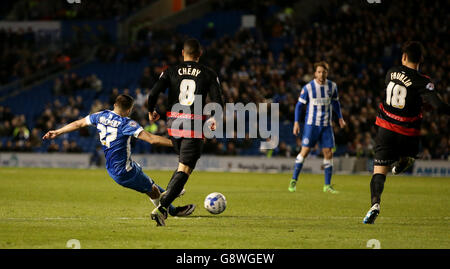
x=319, y=102
x=115, y=134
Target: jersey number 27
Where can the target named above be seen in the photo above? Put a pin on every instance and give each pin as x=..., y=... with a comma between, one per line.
x=107, y=134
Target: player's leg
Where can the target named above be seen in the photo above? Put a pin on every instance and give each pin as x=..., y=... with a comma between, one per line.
x=308, y=142
x=328, y=170
x=298, y=167
x=410, y=149
x=326, y=142
x=162, y=190
x=190, y=151
x=376, y=189
x=402, y=165
x=176, y=184
x=140, y=183
x=386, y=153
x=178, y=211
x=377, y=183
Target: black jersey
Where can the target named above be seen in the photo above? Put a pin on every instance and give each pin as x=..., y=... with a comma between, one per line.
x=189, y=83
x=401, y=109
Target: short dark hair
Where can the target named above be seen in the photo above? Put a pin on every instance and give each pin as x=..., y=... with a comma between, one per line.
x=414, y=50
x=192, y=47
x=321, y=63
x=124, y=101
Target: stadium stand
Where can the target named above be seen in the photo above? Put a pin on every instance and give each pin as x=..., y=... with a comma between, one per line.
x=268, y=63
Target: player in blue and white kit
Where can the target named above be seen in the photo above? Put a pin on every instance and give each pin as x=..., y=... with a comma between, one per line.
x=320, y=97
x=115, y=131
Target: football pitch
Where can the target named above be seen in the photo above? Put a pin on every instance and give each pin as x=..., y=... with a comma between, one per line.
x=45, y=208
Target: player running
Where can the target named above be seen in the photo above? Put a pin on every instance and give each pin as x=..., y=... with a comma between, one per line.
x=399, y=118
x=115, y=131
x=189, y=83
x=321, y=97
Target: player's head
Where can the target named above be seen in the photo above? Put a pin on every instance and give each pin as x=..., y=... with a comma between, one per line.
x=124, y=104
x=192, y=50
x=321, y=71
x=412, y=53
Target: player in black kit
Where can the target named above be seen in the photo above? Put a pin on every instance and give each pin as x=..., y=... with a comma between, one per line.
x=399, y=118
x=189, y=84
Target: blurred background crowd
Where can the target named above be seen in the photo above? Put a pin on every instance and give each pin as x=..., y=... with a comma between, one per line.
x=269, y=63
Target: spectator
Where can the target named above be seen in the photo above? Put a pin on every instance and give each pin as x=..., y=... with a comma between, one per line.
x=74, y=148
x=53, y=147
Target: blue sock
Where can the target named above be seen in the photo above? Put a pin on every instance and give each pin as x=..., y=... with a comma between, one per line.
x=297, y=167
x=328, y=167
x=328, y=172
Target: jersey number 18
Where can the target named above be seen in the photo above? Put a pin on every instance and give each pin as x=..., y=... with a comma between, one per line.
x=396, y=95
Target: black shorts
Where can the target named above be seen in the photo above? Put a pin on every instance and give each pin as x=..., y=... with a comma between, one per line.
x=391, y=146
x=188, y=150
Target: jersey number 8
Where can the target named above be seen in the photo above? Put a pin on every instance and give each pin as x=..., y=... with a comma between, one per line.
x=396, y=95
x=187, y=90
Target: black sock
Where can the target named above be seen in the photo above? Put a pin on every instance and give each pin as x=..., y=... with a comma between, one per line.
x=174, y=188
x=376, y=187
x=171, y=179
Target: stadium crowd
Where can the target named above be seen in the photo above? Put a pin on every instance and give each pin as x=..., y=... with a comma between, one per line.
x=25, y=53
x=63, y=10
x=359, y=44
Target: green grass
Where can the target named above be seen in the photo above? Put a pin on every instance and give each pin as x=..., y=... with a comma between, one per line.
x=44, y=208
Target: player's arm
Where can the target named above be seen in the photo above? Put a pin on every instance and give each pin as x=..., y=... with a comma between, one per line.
x=298, y=113
x=154, y=139
x=302, y=100
x=215, y=95
x=215, y=91
x=337, y=108
x=430, y=96
x=159, y=87
x=73, y=126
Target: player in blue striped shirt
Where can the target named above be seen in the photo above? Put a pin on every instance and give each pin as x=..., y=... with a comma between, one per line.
x=320, y=97
x=115, y=131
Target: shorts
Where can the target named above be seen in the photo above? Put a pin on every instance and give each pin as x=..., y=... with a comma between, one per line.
x=188, y=150
x=391, y=146
x=318, y=134
x=135, y=179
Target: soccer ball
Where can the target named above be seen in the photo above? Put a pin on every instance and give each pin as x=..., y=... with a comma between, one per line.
x=215, y=203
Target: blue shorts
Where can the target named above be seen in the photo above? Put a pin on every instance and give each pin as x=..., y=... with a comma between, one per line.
x=321, y=134
x=135, y=179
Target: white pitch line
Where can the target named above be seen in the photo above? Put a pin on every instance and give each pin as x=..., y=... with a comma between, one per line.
x=200, y=217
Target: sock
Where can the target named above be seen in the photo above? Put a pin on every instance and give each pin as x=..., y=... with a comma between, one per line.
x=376, y=188
x=328, y=167
x=174, y=188
x=298, y=166
x=157, y=201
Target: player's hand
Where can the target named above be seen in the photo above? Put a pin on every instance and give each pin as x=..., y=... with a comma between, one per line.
x=296, y=130
x=342, y=123
x=50, y=135
x=153, y=116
